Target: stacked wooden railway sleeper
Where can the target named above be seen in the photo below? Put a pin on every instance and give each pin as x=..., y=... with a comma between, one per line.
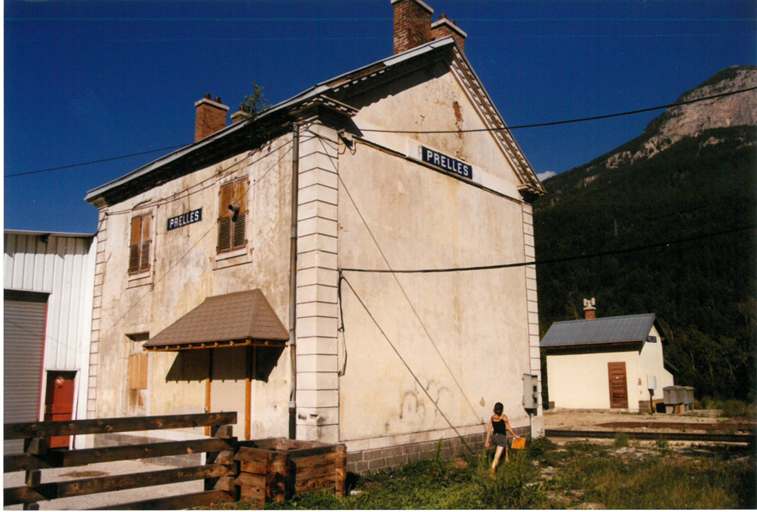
x=274, y=469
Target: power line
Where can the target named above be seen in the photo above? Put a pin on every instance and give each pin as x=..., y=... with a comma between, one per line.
x=553, y=260
x=568, y=121
x=91, y=162
x=417, y=380
x=517, y=127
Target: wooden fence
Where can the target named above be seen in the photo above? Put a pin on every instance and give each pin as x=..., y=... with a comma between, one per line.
x=219, y=471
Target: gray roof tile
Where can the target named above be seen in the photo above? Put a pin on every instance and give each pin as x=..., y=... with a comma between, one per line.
x=232, y=317
x=615, y=329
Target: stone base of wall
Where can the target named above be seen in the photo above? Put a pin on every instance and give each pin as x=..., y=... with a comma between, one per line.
x=108, y=440
x=395, y=456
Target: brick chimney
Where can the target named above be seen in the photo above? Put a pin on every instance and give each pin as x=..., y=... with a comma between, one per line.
x=412, y=24
x=590, y=311
x=211, y=117
x=444, y=27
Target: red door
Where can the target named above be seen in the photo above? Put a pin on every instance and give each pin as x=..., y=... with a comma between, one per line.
x=59, y=402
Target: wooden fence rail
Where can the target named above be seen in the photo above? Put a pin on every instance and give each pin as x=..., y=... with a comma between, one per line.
x=218, y=473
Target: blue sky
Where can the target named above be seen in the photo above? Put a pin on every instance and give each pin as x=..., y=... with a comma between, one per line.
x=93, y=80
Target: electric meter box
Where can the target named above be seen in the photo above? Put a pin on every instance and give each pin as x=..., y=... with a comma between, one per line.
x=530, y=391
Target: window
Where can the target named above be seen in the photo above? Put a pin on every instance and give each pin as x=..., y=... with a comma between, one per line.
x=139, y=245
x=231, y=224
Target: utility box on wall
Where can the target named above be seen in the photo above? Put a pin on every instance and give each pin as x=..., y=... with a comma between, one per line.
x=530, y=391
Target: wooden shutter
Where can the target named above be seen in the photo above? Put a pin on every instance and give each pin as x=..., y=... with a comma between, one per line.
x=144, y=261
x=241, y=222
x=138, y=371
x=134, y=244
x=224, y=219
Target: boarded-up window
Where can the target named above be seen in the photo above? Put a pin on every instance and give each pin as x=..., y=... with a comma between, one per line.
x=138, y=371
x=139, y=244
x=231, y=231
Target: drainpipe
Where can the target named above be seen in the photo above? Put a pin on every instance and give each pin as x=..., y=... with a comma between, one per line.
x=293, y=281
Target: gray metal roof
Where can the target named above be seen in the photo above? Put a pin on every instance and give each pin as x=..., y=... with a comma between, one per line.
x=617, y=329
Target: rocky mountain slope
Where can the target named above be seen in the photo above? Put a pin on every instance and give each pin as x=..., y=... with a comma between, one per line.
x=672, y=215
x=691, y=119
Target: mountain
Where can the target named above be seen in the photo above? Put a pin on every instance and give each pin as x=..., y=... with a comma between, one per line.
x=667, y=225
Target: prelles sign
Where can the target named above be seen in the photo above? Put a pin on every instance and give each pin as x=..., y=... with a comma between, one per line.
x=184, y=219
x=446, y=162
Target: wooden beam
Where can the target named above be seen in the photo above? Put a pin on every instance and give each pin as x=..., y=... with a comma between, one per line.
x=207, y=386
x=144, y=451
x=85, y=486
x=112, y=425
x=198, y=499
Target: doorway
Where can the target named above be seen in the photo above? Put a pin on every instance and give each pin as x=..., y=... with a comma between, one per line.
x=59, y=402
x=618, y=385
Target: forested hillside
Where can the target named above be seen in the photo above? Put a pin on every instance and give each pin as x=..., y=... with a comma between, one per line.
x=697, y=195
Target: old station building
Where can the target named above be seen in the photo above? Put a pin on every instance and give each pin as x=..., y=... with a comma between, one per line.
x=248, y=271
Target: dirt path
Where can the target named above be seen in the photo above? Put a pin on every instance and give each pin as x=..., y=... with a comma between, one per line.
x=102, y=499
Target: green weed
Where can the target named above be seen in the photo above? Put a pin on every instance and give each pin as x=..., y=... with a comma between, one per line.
x=621, y=440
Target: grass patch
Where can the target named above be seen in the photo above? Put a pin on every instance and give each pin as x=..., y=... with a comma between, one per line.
x=549, y=476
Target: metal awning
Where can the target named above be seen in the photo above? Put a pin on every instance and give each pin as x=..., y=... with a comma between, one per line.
x=231, y=320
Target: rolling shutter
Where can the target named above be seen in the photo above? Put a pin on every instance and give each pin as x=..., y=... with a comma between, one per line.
x=25, y=316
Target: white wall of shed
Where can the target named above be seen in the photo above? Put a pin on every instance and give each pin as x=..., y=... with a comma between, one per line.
x=63, y=266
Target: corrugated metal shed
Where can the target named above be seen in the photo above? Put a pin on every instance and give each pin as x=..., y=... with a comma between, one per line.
x=618, y=329
x=62, y=265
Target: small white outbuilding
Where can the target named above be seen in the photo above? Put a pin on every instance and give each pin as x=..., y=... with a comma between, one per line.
x=606, y=363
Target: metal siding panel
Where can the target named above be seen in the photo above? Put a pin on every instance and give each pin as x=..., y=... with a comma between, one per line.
x=47, y=284
x=18, y=263
x=31, y=250
x=55, y=303
x=38, y=280
x=10, y=247
x=24, y=331
x=64, y=297
x=75, y=300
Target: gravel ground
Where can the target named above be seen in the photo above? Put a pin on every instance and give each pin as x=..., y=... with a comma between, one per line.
x=592, y=420
x=107, y=498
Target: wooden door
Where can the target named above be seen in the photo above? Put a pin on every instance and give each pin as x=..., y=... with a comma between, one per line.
x=59, y=402
x=618, y=385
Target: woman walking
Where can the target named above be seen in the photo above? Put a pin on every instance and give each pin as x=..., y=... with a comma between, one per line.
x=498, y=425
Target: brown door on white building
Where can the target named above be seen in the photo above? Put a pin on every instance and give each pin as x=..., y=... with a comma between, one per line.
x=618, y=385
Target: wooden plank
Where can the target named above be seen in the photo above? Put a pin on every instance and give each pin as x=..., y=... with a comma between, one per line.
x=225, y=483
x=142, y=451
x=184, y=501
x=17, y=495
x=226, y=457
x=23, y=462
x=255, y=494
x=111, y=425
x=309, y=452
x=340, y=470
x=256, y=468
x=315, y=484
x=315, y=472
x=247, y=454
x=249, y=480
x=315, y=460
x=144, y=479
